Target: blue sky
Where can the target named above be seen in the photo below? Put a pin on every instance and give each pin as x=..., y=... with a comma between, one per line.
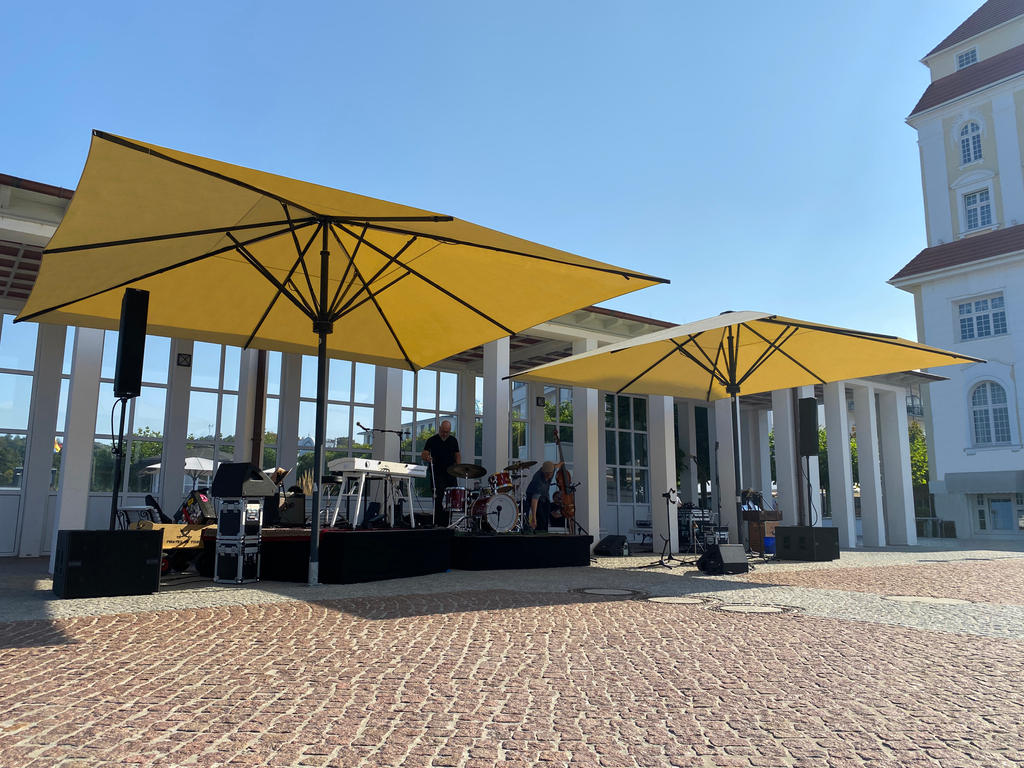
x=753, y=153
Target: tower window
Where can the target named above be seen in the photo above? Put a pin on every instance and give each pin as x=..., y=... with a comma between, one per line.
x=968, y=57
x=970, y=143
x=977, y=209
x=982, y=317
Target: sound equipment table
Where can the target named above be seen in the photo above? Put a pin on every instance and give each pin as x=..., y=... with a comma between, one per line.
x=351, y=480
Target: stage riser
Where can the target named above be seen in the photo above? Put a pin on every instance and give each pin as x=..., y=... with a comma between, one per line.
x=498, y=553
x=348, y=557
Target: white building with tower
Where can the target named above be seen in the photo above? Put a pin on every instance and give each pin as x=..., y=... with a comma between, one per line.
x=968, y=284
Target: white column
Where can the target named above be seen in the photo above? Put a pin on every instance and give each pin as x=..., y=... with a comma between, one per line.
x=687, y=436
x=932, y=141
x=42, y=428
x=247, y=388
x=172, y=463
x=810, y=478
x=496, y=404
x=1011, y=180
x=586, y=437
x=288, y=415
x=726, y=475
x=783, y=424
x=535, y=426
x=762, y=449
x=662, y=457
x=76, y=455
x=901, y=527
x=840, y=471
x=387, y=413
x=466, y=432
x=867, y=466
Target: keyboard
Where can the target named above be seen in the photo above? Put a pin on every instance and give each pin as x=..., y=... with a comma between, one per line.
x=377, y=467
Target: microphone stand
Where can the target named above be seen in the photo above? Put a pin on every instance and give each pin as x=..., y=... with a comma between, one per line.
x=667, y=558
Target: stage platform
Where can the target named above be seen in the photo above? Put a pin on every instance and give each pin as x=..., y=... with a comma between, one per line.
x=348, y=557
x=500, y=551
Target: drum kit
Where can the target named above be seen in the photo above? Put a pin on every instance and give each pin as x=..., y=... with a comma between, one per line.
x=493, y=506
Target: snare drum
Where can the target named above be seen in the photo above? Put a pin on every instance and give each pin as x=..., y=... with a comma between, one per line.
x=454, y=499
x=500, y=482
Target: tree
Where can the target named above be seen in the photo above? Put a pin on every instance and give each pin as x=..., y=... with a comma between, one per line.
x=918, y=454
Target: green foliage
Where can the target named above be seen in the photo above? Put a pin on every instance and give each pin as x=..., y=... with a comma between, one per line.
x=12, y=460
x=918, y=454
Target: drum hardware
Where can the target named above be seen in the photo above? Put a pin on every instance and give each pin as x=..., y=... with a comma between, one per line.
x=500, y=482
x=467, y=471
x=516, y=466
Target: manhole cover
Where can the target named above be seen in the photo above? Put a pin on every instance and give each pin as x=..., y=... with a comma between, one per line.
x=743, y=608
x=679, y=600
x=609, y=592
x=928, y=600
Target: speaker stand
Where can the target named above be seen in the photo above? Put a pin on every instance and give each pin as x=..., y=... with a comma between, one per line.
x=118, y=451
x=667, y=558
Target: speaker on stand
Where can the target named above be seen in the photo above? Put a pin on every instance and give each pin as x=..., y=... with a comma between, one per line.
x=131, y=347
x=807, y=441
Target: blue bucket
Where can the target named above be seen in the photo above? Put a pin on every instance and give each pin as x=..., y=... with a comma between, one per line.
x=769, y=545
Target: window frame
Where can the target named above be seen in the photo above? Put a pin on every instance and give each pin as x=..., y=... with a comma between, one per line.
x=961, y=56
x=989, y=408
x=995, y=317
x=971, y=150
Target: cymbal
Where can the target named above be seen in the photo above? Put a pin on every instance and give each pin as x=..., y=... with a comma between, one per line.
x=469, y=471
x=519, y=465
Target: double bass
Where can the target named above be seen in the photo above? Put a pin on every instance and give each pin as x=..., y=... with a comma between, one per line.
x=565, y=496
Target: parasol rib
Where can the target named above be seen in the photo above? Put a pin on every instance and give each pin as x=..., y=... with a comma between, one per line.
x=427, y=280
x=153, y=273
x=178, y=235
x=644, y=372
x=369, y=293
x=788, y=356
x=255, y=263
x=333, y=304
x=287, y=281
x=338, y=308
x=882, y=338
x=769, y=351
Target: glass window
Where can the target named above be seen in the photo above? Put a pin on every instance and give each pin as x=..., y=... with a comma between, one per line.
x=12, y=460
x=155, y=359
x=977, y=209
x=364, y=383
x=18, y=345
x=339, y=380
x=980, y=318
x=15, y=400
x=966, y=58
x=970, y=143
x=990, y=414
x=626, y=449
x=206, y=365
x=273, y=373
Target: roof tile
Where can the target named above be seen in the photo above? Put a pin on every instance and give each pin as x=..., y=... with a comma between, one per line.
x=972, y=78
x=965, y=251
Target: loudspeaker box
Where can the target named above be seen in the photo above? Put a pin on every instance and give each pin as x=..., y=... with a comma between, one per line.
x=107, y=563
x=808, y=424
x=131, y=343
x=805, y=542
x=720, y=559
x=615, y=546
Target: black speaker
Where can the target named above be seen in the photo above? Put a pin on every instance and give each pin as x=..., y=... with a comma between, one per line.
x=131, y=343
x=107, y=563
x=236, y=480
x=612, y=546
x=720, y=559
x=808, y=425
x=805, y=542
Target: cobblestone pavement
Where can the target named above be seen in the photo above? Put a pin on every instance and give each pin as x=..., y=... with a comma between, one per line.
x=519, y=668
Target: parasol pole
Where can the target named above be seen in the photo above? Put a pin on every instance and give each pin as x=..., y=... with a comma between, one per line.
x=321, y=327
x=734, y=406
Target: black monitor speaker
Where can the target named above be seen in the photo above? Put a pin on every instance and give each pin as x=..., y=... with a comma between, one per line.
x=612, y=546
x=808, y=426
x=720, y=559
x=235, y=480
x=131, y=343
x=107, y=563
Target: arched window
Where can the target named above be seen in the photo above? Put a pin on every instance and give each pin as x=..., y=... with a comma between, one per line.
x=990, y=414
x=970, y=143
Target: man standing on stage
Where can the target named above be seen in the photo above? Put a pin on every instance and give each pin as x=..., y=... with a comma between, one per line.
x=441, y=451
x=538, y=497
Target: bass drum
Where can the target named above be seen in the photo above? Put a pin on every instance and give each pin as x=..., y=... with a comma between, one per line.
x=499, y=510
